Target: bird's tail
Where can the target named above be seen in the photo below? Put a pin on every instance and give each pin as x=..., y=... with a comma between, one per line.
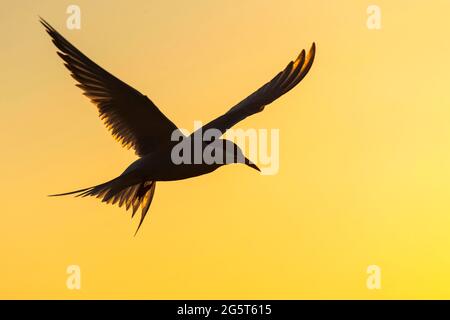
x=115, y=191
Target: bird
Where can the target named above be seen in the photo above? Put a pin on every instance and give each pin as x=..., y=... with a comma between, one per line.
x=137, y=123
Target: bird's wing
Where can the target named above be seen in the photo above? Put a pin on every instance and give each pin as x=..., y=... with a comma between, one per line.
x=133, y=119
x=284, y=81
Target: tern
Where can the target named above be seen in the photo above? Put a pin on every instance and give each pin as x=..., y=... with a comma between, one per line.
x=136, y=122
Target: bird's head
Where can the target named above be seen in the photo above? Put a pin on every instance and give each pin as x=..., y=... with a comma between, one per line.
x=232, y=153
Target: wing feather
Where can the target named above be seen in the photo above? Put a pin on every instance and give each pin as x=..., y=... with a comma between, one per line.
x=283, y=82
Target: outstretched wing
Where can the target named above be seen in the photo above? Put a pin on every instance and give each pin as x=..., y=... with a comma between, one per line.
x=283, y=82
x=132, y=118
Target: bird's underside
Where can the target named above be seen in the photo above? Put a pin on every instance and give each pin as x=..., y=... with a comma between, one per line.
x=136, y=122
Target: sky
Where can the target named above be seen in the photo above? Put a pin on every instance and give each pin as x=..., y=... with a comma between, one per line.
x=364, y=152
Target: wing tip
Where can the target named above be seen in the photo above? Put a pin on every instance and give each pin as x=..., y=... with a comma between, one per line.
x=312, y=51
x=45, y=23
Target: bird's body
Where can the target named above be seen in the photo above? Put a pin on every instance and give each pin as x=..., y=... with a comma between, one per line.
x=158, y=166
x=135, y=121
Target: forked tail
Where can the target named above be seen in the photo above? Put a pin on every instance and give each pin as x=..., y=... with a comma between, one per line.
x=114, y=191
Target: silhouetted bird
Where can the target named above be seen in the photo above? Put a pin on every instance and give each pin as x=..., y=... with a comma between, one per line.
x=136, y=122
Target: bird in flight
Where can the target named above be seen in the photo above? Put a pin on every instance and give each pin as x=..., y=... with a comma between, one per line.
x=136, y=122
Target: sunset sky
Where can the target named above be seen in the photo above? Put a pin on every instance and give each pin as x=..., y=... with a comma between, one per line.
x=364, y=172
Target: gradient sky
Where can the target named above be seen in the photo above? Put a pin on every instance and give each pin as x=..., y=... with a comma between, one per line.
x=364, y=152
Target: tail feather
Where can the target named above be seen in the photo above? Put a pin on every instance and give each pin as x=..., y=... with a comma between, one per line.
x=69, y=193
x=145, y=203
x=124, y=196
x=130, y=197
x=133, y=196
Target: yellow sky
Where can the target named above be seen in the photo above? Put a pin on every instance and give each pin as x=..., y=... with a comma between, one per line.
x=364, y=152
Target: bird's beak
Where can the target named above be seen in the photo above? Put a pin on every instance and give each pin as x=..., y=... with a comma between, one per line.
x=252, y=165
